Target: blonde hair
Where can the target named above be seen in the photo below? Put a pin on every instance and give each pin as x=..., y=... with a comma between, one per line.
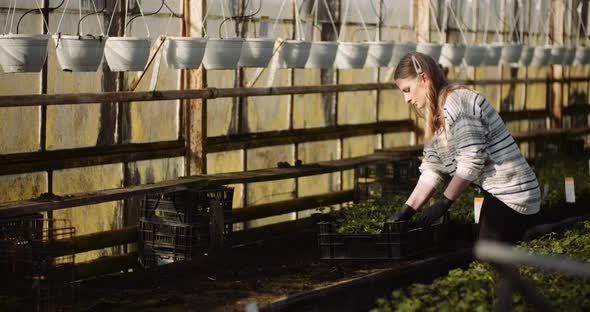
x=436, y=94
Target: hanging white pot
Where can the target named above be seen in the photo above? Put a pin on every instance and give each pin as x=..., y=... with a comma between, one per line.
x=222, y=53
x=541, y=56
x=351, y=55
x=79, y=53
x=322, y=54
x=511, y=53
x=451, y=54
x=400, y=50
x=379, y=54
x=430, y=49
x=582, y=56
x=256, y=52
x=127, y=53
x=526, y=56
x=493, y=53
x=23, y=53
x=184, y=52
x=294, y=53
x=474, y=54
x=570, y=54
x=557, y=55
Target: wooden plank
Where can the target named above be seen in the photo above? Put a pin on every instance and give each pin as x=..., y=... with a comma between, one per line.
x=294, y=205
x=282, y=137
x=522, y=115
x=16, y=208
x=89, y=156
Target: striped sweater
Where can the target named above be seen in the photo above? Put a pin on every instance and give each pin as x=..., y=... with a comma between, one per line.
x=476, y=146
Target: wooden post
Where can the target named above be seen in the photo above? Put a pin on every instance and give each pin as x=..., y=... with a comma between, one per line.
x=422, y=20
x=195, y=114
x=556, y=101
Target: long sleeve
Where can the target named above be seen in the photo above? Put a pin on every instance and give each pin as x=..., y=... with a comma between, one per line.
x=431, y=168
x=468, y=128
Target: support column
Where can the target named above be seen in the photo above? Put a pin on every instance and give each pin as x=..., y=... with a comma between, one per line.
x=556, y=100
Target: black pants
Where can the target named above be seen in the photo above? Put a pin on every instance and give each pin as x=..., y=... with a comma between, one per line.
x=500, y=223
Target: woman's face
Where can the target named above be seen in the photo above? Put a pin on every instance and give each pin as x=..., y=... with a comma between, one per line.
x=414, y=91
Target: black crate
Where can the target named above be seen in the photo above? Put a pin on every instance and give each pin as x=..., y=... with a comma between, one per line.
x=398, y=241
x=167, y=236
x=155, y=257
x=37, y=260
x=385, y=177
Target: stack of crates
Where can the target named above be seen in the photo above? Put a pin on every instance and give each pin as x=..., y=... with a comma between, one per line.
x=386, y=177
x=37, y=261
x=176, y=226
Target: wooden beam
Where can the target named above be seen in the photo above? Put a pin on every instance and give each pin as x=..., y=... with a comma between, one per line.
x=9, y=209
x=206, y=93
x=294, y=205
x=88, y=156
x=282, y=137
x=522, y=115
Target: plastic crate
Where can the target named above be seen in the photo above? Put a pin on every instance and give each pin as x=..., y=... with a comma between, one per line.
x=37, y=261
x=385, y=177
x=398, y=241
x=166, y=236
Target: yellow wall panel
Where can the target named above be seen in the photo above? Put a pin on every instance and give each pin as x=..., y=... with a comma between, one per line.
x=308, y=110
x=19, y=129
x=314, y=152
x=228, y=162
x=72, y=126
x=22, y=186
x=355, y=147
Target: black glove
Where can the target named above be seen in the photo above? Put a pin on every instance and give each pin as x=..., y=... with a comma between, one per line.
x=405, y=214
x=437, y=210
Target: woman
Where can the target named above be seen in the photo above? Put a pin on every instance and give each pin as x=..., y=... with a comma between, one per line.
x=466, y=139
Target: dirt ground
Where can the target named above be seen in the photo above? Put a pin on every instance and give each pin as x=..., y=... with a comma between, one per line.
x=260, y=274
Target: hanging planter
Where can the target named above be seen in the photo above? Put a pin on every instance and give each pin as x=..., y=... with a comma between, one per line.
x=430, y=49
x=294, y=53
x=256, y=52
x=79, y=53
x=379, y=53
x=127, y=53
x=451, y=54
x=222, y=53
x=511, y=53
x=184, y=52
x=474, y=55
x=322, y=54
x=493, y=52
x=23, y=53
x=582, y=56
x=570, y=54
x=400, y=50
x=541, y=56
x=351, y=55
x=557, y=55
x=527, y=56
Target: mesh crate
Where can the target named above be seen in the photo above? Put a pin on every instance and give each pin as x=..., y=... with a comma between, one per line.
x=155, y=257
x=37, y=261
x=385, y=177
x=398, y=241
x=166, y=236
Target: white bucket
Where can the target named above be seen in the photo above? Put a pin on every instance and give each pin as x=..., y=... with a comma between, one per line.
x=557, y=55
x=184, y=52
x=79, y=53
x=256, y=52
x=400, y=50
x=582, y=56
x=23, y=53
x=127, y=53
x=294, y=53
x=379, y=54
x=222, y=53
x=430, y=49
x=351, y=55
x=451, y=54
x=492, y=54
x=511, y=53
x=474, y=55
x=526, y=56
x=570, y=54
x=322, y=54
x=541, y=56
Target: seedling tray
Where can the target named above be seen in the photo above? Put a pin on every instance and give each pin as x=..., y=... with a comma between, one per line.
x=399, y=240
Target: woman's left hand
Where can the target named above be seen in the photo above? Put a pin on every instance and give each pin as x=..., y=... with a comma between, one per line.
x=435, y=211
